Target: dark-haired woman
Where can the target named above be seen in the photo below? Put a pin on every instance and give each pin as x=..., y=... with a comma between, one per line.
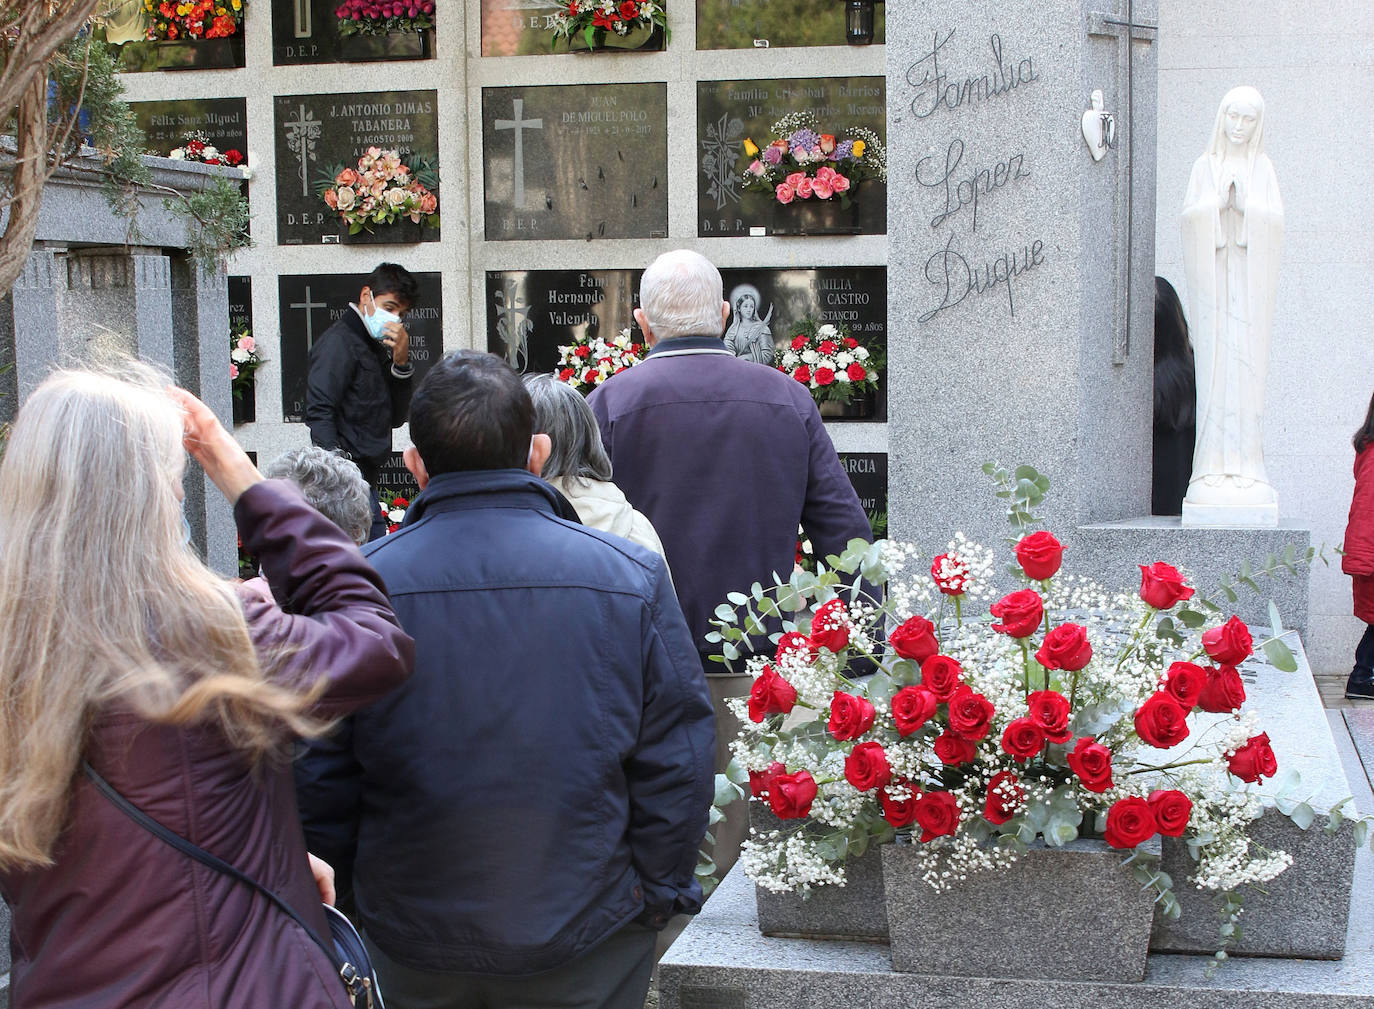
x=1175, y=403
x=1358, y=561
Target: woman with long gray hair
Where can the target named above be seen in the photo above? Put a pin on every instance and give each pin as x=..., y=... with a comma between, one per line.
x=123, y=657
x=578, y=465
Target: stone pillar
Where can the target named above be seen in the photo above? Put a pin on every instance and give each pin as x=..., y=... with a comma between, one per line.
x=34, y=317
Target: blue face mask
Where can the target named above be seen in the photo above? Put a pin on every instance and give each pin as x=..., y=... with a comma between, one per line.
x=379, y=319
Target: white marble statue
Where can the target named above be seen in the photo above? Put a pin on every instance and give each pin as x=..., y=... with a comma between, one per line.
x=1232, y=228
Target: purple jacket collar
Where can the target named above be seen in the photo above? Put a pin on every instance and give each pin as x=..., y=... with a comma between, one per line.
x=676, y=345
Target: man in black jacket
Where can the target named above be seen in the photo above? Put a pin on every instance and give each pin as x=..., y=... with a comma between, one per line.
x=359, y=385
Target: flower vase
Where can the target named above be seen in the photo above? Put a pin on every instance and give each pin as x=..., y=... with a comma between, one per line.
x=1069, y=913
x=392, y=46
x=645, y=38
x=853, y=911
x=816, y=217
x=246, y=406
x=402, y=232
x=181, y=54
x=860, y=407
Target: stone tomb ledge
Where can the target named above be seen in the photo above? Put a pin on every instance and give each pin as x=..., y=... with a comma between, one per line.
x=722, y=961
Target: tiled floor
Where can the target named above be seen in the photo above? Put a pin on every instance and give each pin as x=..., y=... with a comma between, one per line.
x=1332, y=689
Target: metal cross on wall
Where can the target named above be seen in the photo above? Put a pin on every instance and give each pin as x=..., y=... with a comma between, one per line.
x=1124, y=27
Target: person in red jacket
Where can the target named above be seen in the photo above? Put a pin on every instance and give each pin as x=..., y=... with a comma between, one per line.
x=1358, y=561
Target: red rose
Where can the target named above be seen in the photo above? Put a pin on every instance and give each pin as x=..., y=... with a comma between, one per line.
x=856, y=372
x=898, y=812
x=970, y=714
x=866, y=767
x=760, y=780
x=827, y=347
x=1230, y=644
x=1161, y=721
x=915, y=639
x=798, y=342
x=1184, y=682
x=566, y=374
x=234, y=157
x=948, y=582
x=1171, y=809
x=583, y=351
x=1129, y=822
x=1039, y=555
x=1223, y=692
x=1023, y=739
x=1049, y=709
x=629, y=10
x=850, y=716
x=1161, y=586
x=770, y=694
x=1005, y=798
x=1066, y=647
x=1092, y=762
x=850, y=342
x=941, y=675
x=792, y=643
x=830, y=627
x=1020, y=613
x=912, y=707
x=802, y=374
x=938, y=815
x=1254, y=760
x=791, y=795
x=825, y=376
x=954, y=749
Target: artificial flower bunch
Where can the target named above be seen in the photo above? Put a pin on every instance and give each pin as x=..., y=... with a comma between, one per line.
x=592, y=359
x=801, y=163
x=382, y=190
x=193, y=19
x=1062, y=710
x=244, y=360
x=393, y=507
x=196, y=146
x=594, y=18
x=832, y=364
x=384, y=17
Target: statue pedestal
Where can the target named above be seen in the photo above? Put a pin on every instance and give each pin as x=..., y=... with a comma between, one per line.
x=1262, y=516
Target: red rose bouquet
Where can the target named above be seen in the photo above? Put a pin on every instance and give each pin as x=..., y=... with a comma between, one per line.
x=588, y=362
x=1060, y=710
x=592, y=19
x=197, y=147
x=830, y=362
x=393, y=506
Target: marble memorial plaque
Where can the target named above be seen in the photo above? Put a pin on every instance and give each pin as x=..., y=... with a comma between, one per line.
x=224, y=121
x=744, y=24
x=240, y=304
x=393, y=476
x=868, y=473
x=530, y=313
x=575, y=162
x=305, y=31
x=729, y=112
x=851, y=296
x=318, y=135
x=310, y=304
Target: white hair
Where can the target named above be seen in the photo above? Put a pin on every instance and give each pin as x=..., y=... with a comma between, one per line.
x=680, y=294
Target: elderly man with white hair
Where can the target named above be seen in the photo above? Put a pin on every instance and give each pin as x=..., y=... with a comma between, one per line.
x=726, y=457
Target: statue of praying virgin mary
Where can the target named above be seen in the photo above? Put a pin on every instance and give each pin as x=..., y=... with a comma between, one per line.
x=1232, y=228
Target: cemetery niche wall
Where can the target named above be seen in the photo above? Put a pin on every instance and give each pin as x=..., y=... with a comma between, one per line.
x=310, y=31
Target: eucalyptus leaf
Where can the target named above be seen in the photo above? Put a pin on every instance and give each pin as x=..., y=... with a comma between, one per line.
x=738, y=598
x=1280, y=656
x=1303, y=816
x=725, y=614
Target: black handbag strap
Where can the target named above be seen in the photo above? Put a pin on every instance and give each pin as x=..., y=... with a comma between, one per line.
x=184, y=846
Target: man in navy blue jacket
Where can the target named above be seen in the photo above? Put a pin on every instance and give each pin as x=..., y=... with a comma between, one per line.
x=526, y=811
x=726, y=458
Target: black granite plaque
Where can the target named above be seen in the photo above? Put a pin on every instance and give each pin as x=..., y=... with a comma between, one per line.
x=224, y=121
x=746, y=24
x=851, y=296
x=305, y=31
x=868, y=473
x=729, y=112
x=531, y=313
x=575, y=162
x=240, y=304
x=316, y=135
x=393, y=476
x=309, y=304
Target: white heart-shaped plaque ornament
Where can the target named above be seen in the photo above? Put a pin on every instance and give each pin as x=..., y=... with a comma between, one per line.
x=1099, y=128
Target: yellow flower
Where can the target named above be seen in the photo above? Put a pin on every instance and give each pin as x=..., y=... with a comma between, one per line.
x=750, y=148
x=859, y=146
x=236, y=4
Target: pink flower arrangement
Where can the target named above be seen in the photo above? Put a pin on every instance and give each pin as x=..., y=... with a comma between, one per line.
x=381, y=190
x=802, y=164
x=384, y=17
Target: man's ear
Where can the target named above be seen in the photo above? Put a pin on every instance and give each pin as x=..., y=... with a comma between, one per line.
x=540, y=448
x=643, y=320
x=416, y=465
x=724, y=314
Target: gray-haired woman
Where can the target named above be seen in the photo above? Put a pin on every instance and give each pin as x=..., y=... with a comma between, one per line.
x=578, y=465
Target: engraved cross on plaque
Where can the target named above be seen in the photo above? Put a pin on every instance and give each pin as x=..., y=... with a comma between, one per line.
x=301, y=134
x=301, y=17
x=1127, y=30
x=519, y=124
x=309, y=307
